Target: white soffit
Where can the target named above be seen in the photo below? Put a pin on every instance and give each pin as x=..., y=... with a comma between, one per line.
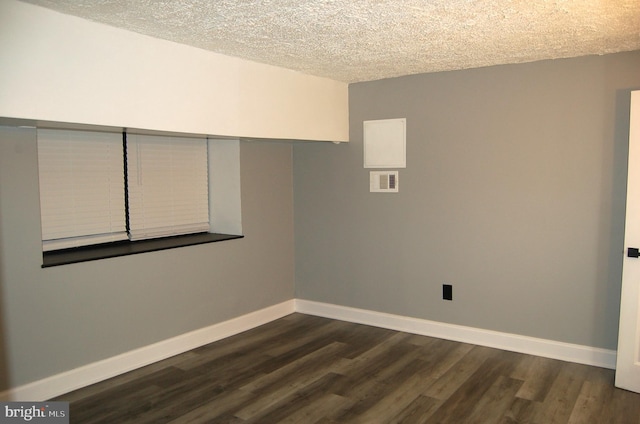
x=363, y=40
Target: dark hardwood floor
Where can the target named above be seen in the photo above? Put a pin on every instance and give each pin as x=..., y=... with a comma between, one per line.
x=306, y=369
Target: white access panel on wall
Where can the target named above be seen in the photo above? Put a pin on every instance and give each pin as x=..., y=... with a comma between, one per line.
x=385, y=143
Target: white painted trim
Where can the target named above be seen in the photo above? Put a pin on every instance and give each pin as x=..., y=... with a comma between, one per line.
x=512, y=342
x=68, y=381
x=74, y=379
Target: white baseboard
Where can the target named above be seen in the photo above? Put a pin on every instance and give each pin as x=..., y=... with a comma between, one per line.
x=68, y=381
x=74, y=379
x=512, y=342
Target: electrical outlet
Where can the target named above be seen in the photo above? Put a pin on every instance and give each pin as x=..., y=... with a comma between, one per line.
x=447, y=292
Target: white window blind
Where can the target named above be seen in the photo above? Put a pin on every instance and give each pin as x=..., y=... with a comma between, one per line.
x=81, y=188
x=167, y=186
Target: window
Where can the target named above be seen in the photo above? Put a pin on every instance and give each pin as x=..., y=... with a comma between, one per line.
x=167, y=186
x=98, y=188
x=82, y=198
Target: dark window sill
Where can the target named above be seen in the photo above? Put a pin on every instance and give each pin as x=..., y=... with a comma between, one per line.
x=124, y=248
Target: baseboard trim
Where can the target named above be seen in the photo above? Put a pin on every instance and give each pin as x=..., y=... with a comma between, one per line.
x=74, y=379
x=68, y=381
x=512, y=342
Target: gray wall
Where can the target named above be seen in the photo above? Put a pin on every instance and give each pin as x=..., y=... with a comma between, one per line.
x=513, y=193
x=57, y=319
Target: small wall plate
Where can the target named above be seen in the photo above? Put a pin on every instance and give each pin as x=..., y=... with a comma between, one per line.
x=383, y=181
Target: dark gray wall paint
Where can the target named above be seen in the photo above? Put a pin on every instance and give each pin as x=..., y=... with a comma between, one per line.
x=57, y=319
x=513, y=193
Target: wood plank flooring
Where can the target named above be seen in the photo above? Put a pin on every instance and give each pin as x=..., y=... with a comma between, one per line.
x=306, y=369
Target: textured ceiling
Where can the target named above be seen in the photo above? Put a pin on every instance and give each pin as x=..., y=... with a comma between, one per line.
x=362, y=40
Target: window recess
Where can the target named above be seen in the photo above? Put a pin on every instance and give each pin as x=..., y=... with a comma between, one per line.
x=108, y=194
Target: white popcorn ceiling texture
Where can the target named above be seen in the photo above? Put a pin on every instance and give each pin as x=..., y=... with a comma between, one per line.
x=363, y=40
